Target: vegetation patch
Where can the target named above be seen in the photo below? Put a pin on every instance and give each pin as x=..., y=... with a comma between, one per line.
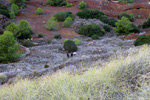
x=144, y=39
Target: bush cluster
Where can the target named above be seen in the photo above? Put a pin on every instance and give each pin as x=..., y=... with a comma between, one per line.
x=27, y=43
x=20, y=3
x=8, y=48
x=82, y=5
x=56, y=2
x=61, y=16
x=144, y=39
x=4, y=11
x=70, y=46
x=90, y=30
x=39, y=11
x=91, y=14
x=68, y=22
x=77, y=41
x=52, y=24
x=57, y=36
x=107, y=28
x=20, y=31
x=40, y=36
x=126, y=1
x=146, y=24
x=129, y=16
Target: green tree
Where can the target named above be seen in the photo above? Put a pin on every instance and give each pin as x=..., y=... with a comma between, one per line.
x=8, y=48
x=15, y=9
x=24, y=30
x=17, y=2
x=39, y=11
x=12, y=15
x=52, y=24
x=70, y=46
x=14, y=29
x=68, y=22
x=82, y=5
x=123, y=26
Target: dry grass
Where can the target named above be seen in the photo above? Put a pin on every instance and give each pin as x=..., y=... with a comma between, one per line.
x=113, y=81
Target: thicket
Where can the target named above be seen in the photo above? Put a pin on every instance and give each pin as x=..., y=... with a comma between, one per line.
x=82, y=5
x=20, y=31
x=61, y=16
x=68, y=22
x=77, y=41
x=15, y=9
x=20, y=3
x=126, y=1
x=70, y=46
x=39, y=11
x=8, y=48
x=4, y=11
x=96, y=14
x=27, y=43
x=129, y=16
x=90, y=30
x=58, y=3
x=144, y=39
x=107, y=28
x=146, y=24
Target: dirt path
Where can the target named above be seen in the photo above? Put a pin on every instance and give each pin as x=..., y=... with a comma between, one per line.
x=37, y=22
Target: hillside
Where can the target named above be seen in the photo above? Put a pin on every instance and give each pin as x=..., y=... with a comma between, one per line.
x=74, y=50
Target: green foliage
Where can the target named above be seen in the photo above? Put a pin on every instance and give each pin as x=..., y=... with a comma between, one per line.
x=68, y=22
x=20, y=3
x=134, y=29
x=40, y=36
x=77, y=41
x=3, y=7
x=12, y=27
x=112, y=22
x=139, y=16
x=91, y=29
x=5, y=12
x=68, y=4
x=12, y=15
x=82, y=5
x=90, y=14
x=144, y=39
x=24, y=30
x=126, y=1
x=15, y=9
x=123, y=27
x=61, y=16
x=95, y=36
x=57, y=36
x=27, y=43
x=8, y=48
x=56, y=2
x=70, y=46
x=52, y=24
x=39, y=11
x=3, y=77
x=146, y=24
x=46, y=66
x=107, y=28
x=129, y=16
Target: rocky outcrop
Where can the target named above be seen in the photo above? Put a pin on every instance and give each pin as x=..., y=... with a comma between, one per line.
x=4, y=2
x=3, y=21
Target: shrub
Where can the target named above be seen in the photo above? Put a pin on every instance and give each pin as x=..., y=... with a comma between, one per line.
x=107, y=28
x=52, y=24
x=82, y=5
x=146, y=24
x=46, y=66
x=123, y=27
x=139, y=16
x=15, y=9
x=95, y=36
x=3, y=77
x=68, y=22
x=129, y=16
x=112, y=22
x=61, y=16
x=3, y=7
x=90, y=14
x=5, y=12
x=134, y=29
x=40, y=36
x=12, y=15
x=77, y=41
x=57, y=36
x=126, y=1
x=39, y=11
x=104, y=19
x=8, y=48
x=68, y=4
x=90, y=29
x=56, y=2
x=27, y=43
x=13, y=28
x=20, y=3
x=144, y=39
x=24, y=30
x=70, y=46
